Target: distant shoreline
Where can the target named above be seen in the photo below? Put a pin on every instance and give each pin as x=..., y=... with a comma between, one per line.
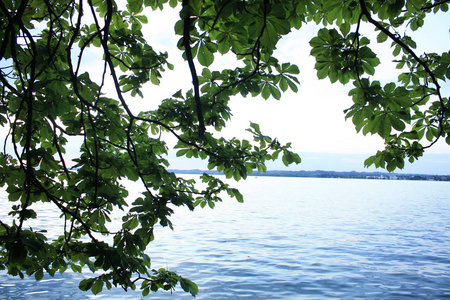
x=330, y=174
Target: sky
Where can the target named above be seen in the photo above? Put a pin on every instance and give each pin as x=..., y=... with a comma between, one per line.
x=311, y=119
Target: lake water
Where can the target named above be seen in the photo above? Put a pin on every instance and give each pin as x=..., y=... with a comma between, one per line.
x=297, y=238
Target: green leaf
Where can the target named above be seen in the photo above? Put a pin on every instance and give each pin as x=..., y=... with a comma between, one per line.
x=283, y=84
x=97, y=287
x=188, y=286
x=173, y=4
x=344, y=28
x=292, y=85
x=86, y=284
x=275, y=92
x=205, y=56
x=39, y=274
x=290, y=157
x=135, y=6
x=145, y=292
x=382, y=37
x=397, y=123
x=154, y=77
x=265, y=93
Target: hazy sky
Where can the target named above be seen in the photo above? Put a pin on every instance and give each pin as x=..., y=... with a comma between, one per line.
x=312, y=119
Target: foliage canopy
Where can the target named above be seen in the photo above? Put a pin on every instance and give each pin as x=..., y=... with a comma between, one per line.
x=47, y=100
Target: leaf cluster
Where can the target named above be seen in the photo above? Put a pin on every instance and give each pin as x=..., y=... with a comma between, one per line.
x=49, y=103
x=403, y=113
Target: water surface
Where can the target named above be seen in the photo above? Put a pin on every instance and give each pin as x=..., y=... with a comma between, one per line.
x=298, y=238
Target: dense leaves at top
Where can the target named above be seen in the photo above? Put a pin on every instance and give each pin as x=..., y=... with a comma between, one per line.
x=403, y=113
x=48, y=100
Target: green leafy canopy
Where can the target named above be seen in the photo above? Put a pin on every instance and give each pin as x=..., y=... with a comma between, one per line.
x=47, y=101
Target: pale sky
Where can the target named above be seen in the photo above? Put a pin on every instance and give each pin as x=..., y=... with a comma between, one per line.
x=312, y=119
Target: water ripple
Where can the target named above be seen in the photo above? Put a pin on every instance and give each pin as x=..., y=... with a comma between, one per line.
x=298, y=238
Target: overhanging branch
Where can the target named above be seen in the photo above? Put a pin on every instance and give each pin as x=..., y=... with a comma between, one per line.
x=190, y=59
x=405, y=47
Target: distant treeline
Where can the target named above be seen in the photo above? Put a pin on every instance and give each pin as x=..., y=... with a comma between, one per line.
x=332, y=174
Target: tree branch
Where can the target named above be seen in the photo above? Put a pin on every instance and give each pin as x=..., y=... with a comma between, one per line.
x=256, y=49
x=434, y=5
x=408, y=49
x=190, y=59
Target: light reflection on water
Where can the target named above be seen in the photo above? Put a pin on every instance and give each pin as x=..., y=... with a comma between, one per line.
x=297, y=238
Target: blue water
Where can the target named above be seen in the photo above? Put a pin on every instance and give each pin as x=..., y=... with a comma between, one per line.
x=297, y=238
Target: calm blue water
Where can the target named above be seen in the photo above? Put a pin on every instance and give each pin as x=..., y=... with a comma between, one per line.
x=297, y=238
